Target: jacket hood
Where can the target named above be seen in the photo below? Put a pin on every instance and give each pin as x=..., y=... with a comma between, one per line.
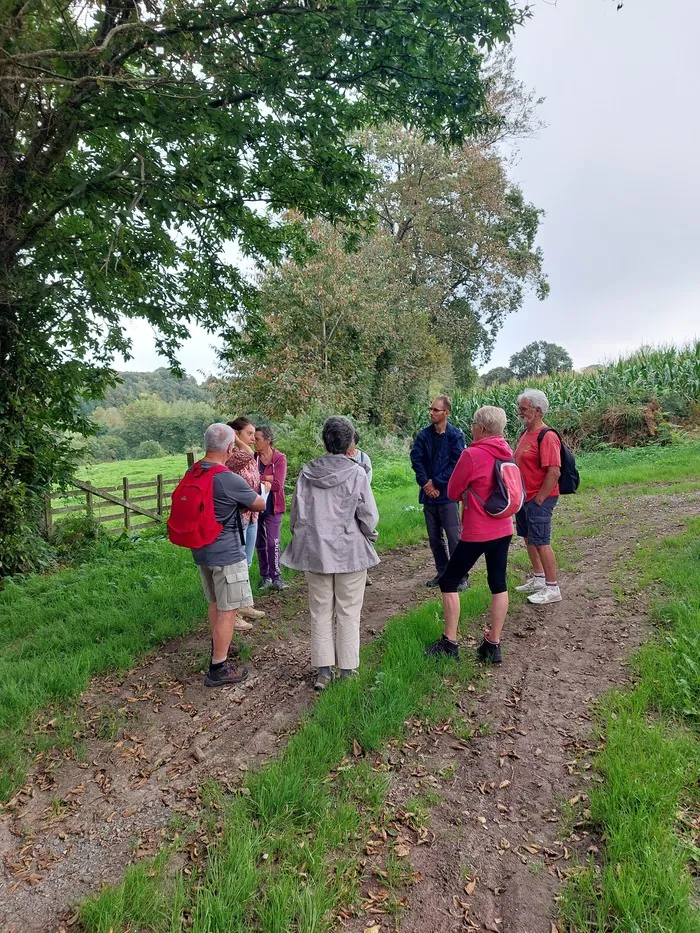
x=496, y=445
x=330, y=470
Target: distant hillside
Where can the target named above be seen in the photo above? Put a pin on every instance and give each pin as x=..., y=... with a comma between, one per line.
x=160, y=382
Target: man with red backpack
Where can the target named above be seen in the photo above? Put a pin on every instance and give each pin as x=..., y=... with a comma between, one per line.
x=485, y=471
x=205, y=517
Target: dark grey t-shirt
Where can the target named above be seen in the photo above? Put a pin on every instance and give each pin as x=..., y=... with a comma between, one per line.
x=230, y=491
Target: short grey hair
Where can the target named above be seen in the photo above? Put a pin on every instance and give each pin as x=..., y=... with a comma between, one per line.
x=491, y=419
x=536, y=398
x=267, y=432
x=218, y=437
x=338, y=434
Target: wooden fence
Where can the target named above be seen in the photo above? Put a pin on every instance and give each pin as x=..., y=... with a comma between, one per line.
x=140, y=504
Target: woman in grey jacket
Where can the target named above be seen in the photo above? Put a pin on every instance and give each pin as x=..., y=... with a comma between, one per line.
x=333, y=521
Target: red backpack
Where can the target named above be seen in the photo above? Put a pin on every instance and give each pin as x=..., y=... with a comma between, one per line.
x=192, y=521
x=509, y=495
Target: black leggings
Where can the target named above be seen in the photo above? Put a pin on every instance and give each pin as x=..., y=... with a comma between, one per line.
x=467, y=553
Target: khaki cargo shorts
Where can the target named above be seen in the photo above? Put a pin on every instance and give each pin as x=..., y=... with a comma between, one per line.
x=228, y=587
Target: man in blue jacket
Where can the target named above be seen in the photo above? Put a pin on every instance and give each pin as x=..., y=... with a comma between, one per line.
x=434, y=455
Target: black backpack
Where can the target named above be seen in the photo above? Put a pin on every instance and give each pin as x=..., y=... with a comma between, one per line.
x=569, y=479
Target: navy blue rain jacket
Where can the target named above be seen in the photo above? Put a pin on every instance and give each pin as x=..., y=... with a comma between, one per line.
x=434, y=459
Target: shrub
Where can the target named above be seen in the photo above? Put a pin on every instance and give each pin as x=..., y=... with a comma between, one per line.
x=106, y=447
x=149, y=450
x=79, y=537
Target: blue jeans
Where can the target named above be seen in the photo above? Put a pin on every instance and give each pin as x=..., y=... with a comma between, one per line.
x=251, y=534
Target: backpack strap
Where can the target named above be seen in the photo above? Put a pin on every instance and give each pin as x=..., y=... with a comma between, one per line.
x=220, y=468
x=539, y=440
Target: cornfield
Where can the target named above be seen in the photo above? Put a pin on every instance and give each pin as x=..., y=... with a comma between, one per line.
x=667, y=374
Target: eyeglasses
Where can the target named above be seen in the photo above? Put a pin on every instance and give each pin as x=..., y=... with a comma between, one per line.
x=438, y=409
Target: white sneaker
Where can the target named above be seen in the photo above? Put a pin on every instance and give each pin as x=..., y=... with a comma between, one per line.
x=531, y=585
x=547, y=594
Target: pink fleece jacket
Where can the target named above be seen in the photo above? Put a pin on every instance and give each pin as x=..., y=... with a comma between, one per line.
x=475, y=468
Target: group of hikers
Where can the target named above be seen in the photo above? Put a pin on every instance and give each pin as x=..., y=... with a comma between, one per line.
x=232, y=502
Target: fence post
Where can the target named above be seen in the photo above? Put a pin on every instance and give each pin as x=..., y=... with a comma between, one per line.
x=88, y=502
x=159, y=506
x=48, y=516
x=190, y=459
x=127, y=513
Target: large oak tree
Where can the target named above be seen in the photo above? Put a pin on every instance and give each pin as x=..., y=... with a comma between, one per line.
x=139, y=137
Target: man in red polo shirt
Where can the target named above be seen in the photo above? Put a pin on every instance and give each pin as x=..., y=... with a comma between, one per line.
x=540, y=465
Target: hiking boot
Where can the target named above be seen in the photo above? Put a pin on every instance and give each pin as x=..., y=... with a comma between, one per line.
x=242, y=625
x=443, y=647
x=226, y=675
x=531, y=585
x=265, y=584
x=548, y=594
x=347, y=674
x=279, y=585
x=250, y=612
x=487, y=651
x=322, y=681
x=434, y=582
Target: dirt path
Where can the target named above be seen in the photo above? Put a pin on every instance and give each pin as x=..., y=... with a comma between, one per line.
x=153, y=736
x=500, y=847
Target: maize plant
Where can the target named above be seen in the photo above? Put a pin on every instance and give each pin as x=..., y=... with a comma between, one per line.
x=668, y=374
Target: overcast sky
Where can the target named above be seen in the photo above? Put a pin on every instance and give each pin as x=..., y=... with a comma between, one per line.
x=615, y=169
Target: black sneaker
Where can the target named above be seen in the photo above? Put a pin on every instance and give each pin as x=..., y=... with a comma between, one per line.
x=443, y=647
x=464, y=585
x=434, y=582
x=226, y=675
x=487, y=651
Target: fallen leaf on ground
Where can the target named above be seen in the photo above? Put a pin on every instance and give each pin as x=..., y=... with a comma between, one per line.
x=471, y=887
x=356, y=749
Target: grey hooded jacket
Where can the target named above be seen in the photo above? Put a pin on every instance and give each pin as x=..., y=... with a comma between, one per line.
x=333, y=518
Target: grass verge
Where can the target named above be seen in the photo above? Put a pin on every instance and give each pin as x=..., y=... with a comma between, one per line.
x=287, y=852
x=648, y=804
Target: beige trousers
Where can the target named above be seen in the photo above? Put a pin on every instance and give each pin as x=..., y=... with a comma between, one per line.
x=336, y=597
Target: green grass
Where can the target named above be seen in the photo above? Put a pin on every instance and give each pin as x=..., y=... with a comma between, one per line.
x=288, y=855
x=611, y=469
x=58, y=630
x=138, y=471
x=651, y=766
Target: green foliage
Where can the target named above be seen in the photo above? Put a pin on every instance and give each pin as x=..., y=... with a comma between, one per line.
x=139, y=140
x=636, y=380
x=500, y=374
x=106, y=447
x=149, y=450
x=367, y=332
x=162, y=382
x=540, y=359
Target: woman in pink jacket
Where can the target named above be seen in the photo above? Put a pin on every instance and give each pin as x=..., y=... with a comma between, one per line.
x=272, y=466
x=481, y=534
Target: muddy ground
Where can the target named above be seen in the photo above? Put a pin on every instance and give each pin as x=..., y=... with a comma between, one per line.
x=493, y=857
